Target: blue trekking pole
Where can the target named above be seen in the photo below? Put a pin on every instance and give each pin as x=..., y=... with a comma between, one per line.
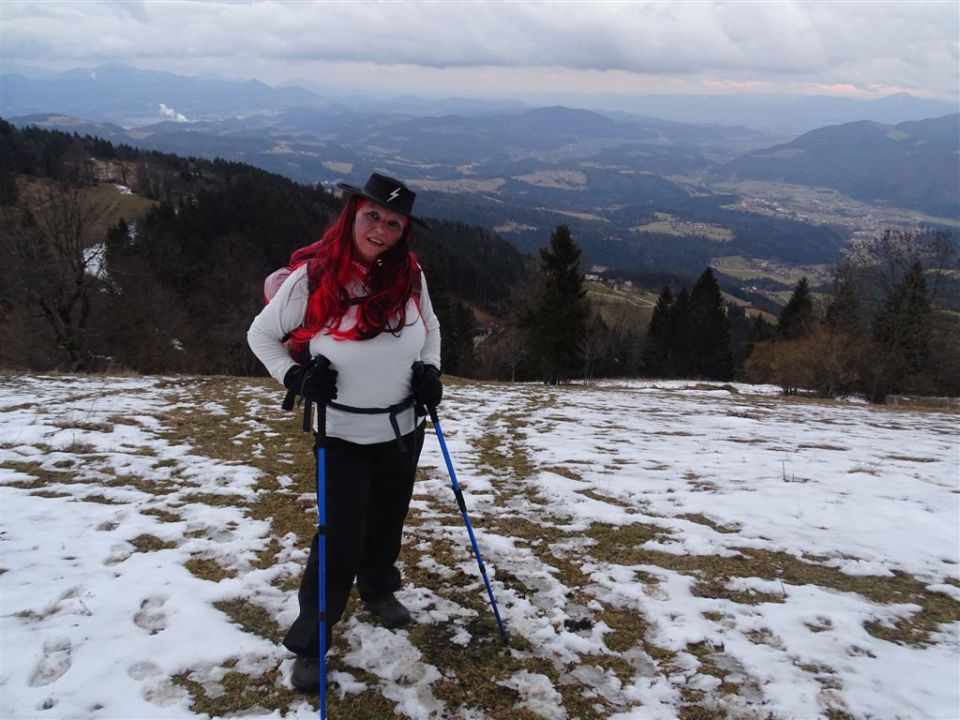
x=321, y=441
x=322, y=549
x=466, y=519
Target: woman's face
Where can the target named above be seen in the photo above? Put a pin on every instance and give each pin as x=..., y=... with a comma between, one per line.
x=376, y=229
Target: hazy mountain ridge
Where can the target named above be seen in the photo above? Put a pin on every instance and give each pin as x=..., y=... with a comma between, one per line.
x=911, y=165
x=521, y=171
x=120, y=93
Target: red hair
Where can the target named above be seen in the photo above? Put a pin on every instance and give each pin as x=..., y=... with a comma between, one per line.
x=332, y=269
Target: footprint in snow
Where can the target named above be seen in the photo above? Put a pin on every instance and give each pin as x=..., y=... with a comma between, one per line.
x=157, y=688
x=151, y=615
x=55, y=662
x=118, y=553
x=143, y=670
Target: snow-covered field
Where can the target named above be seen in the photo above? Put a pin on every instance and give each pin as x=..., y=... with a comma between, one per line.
x=657, y=550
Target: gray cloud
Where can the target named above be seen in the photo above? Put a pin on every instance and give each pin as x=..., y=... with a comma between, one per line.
x=911, y=45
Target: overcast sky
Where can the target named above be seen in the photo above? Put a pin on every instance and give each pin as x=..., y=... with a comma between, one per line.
x=490, y=49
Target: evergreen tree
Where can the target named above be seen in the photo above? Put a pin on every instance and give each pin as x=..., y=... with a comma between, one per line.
x=708, y=330
x=655, y=345
x=903, y=325
x=843, y=312
x=558, y=318
x=677, y=360
x=797, y=318
x=760, y=331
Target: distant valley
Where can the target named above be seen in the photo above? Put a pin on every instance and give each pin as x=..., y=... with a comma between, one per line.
x=638, y=192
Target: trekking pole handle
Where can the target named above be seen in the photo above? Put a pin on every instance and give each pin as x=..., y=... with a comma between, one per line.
x=321, y=361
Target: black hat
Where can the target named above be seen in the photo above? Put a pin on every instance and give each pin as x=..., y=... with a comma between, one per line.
x=389, y=193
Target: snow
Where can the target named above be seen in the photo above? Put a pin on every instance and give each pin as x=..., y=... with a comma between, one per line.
x=93, y=258
x=95, y=625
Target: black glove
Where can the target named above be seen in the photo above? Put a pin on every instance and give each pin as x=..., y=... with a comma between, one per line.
x=426, y=385
x=316, y=382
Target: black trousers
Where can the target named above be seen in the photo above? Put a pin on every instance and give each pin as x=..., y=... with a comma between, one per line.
x=368, y=491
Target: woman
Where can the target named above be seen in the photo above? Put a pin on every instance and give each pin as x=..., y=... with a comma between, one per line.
x=360, y=303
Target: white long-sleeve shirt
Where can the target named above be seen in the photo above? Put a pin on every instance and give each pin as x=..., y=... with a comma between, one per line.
x=372, y=373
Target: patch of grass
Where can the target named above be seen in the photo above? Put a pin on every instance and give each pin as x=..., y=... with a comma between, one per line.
x=702, y=519
x=713, y=572
x=910, y=458
x=563, y=471
x=628, y=629
x=266, y=558
x=619, y=543
x=691, y=710
x=593, y=495
x=118, y=419
x=472, y=670
x=240, y=694
x=150, y=487
x=150, y=543
x=88, y=426
x=822, y=624
x=707, y=655
x=500, y=455
x=102, y=499
x=252, y=618
x=716, y=587
x=162, y=515
x=209, y=569
x=41, y=475
x=80, y=448
x=213, y=499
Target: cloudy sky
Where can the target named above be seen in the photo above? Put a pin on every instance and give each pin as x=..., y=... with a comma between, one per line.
x=486, y=48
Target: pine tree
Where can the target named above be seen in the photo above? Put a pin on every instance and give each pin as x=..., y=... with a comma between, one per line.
x=679, y=344
x=558, y=318
x=797, y=318
x=843, y=313
x=655, y=346
x=903, y=325
x=708, y=330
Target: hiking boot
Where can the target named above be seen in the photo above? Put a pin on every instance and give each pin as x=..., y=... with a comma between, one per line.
x=390, y=611
x=306, y=673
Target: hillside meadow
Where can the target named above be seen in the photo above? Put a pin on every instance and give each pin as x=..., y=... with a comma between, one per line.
x=657, y=550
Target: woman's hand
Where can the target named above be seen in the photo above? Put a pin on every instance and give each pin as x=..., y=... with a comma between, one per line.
x=317, y=382
x=426, y=385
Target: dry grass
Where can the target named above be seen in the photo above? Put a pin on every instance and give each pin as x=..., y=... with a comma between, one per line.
x=471, y=673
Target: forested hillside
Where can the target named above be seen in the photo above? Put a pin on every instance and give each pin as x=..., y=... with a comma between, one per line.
x=117, y=258
x=172, y=282
x=910, y=165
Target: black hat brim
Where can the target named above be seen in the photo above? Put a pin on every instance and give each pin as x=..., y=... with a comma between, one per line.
x=364, y=194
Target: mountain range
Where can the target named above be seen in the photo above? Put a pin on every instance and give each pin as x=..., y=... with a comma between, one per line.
x=910, y=165
x=637, y=190
x=130, y=96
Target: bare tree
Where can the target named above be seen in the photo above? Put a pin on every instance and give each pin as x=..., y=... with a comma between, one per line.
x=54, y=262
x=878, y=264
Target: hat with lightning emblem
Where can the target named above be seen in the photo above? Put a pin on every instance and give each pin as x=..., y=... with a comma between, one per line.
x=389, y=192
